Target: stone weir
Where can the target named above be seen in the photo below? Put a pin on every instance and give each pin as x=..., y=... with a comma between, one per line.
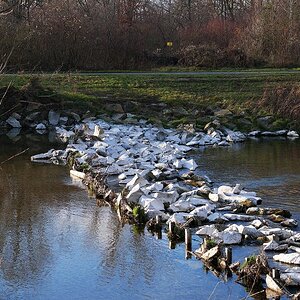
x=149, y=174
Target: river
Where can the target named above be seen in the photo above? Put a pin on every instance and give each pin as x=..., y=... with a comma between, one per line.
x=56, y=243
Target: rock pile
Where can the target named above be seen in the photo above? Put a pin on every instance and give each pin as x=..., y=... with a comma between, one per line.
x=152, y=169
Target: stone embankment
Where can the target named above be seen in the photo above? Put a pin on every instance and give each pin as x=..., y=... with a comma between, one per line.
x=145, y=171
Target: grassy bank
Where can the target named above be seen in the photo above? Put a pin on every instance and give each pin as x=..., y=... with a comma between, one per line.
x=193, y=92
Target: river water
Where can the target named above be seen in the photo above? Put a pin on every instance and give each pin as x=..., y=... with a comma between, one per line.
x=56, y=243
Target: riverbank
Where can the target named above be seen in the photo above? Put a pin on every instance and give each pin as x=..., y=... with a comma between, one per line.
x=169, y=99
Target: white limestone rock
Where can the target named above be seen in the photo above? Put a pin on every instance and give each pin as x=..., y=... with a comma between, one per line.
x=250, y=231
x=40, y=126
x=135, y=194
x=238, y=217
x=229, y=237
x=43, y=156
x=13, y=122
x=293, y=134
x=137, y=179
x=178, y=218
x=181, y=206
x=289, y=258
x=216, y=218
x=166, y=197
x=207, y=230
x=189, y=164
x=274, y=246
x=53, y=117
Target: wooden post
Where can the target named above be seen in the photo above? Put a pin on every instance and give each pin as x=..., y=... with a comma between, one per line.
x=171, y=227
x=158, y=227
x=228, y=255
x=172, y=244
x=188, y=239
x=188, y=243
x=158, y=220
x=275, y=274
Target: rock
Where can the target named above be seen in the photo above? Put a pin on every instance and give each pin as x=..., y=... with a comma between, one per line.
x=290, y=258
x=135, y=194
x=178, y=218
x=229, y=237
x=207, y=230
x=189, y=164
x=250, y=231
x=276, y=218
x=40, y=126
x=198, y=201
x=257, y=223
x=254, y=211
x=296, y=249
x=236, y=217
x=216, y=218
x=98, y=131
x=291, y=277
x=265, y=122
x=63, y=120
x=43, y=156
x=289, y=223
x=225, y=190
x=33, y=117
x=77, y=174
x=115, y=107
x=210, y=254
x=137, y=179
x=293, y=134
x=75, y=116
x=273, y=285
x=213, y=197
x=254, y=133
x=274, y=246
x=13, y=134
x=53, y=117
x=182, y=206
x=151, y=203
x=200, y=212
x=16, y=116
x=166, y=197
x=13, y=122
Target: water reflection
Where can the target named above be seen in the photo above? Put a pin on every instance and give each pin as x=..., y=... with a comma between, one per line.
x=268, y=166
x=55, y=243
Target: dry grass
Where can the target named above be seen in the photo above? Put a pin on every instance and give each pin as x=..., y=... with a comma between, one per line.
x=283, y=101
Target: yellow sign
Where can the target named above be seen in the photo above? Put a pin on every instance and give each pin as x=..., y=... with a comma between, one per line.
x=169, y=44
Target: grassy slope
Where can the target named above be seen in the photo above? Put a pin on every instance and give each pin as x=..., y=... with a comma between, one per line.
x=237, y=92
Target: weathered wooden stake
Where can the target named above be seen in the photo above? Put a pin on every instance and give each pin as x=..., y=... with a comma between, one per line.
x=172, y=244
x=275, y=274
x=158, y=220
x=228, y=255
x=159, y=234
x=188, y=243
x=158, y=227
x=171, y=227
x=188, y=239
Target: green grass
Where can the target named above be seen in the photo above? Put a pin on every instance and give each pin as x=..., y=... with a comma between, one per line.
x=191, y=91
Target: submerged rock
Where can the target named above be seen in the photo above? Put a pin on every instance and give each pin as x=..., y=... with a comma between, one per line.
x=13, y=122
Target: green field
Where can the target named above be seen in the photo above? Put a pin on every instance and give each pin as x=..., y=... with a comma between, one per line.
x=236, y=91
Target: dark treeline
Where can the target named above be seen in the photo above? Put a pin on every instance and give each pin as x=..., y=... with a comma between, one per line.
x=134, y=34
